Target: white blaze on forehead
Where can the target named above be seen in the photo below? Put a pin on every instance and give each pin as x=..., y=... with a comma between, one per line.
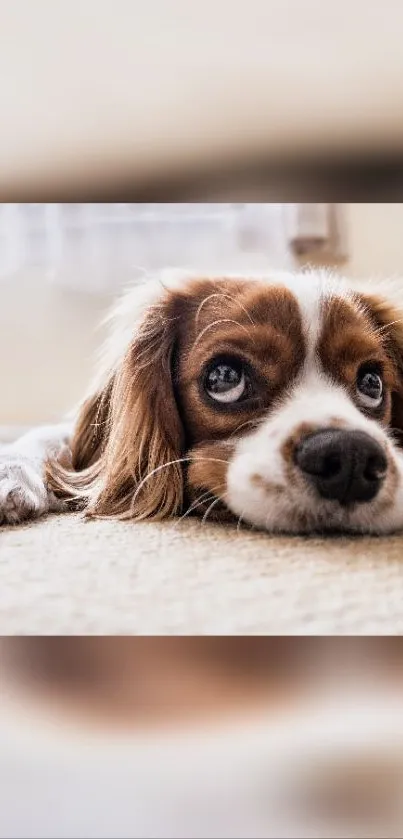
x=311, y=289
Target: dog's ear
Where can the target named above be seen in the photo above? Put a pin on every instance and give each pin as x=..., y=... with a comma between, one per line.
x=129, y=438
x=90, y=429
x=388, y=319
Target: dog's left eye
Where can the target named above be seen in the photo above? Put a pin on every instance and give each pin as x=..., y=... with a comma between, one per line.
x=370, y=386
x=226, y=381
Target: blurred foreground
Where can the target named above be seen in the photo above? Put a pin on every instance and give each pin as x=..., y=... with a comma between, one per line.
x=263, y=100
x=201, y=737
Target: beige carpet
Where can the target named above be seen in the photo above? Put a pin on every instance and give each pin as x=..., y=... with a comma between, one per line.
x=64, y=575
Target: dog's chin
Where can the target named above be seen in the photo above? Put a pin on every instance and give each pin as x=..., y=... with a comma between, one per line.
x=320, y=519
x=297, y=513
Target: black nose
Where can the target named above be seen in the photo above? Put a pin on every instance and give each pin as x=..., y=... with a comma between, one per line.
x=344, y=466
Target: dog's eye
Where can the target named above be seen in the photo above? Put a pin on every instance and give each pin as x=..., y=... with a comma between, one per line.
x=370, y=386
x=225, y=381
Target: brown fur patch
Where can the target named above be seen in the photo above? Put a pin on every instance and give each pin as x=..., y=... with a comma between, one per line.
x=288, y=452
x=288, y=448
x=268, y=486
x=262, y=325
x=387, y=319
x=348, y=340
x=337, y=422
x=91, y=429
x=206, y=478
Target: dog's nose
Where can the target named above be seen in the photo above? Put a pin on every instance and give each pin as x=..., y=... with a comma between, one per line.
x=344, y=466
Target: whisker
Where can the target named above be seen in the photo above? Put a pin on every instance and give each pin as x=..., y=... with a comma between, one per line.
x=388, y=325
x=217, y=323
x=219, y=498
x=154, y=472
x=202, y=499
x=174, y=463
x=239, y=522
x=207, y=496
x=243, y=425
x=227, y=297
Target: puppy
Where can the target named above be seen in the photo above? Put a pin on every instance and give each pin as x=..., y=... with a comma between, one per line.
x=276, y=401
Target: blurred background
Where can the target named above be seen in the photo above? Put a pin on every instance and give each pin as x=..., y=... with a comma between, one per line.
x=62, y=265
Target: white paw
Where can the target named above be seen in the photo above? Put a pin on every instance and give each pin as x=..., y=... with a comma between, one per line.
x=23, y=494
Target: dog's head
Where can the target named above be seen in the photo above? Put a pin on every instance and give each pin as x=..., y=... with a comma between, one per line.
x=275, y=401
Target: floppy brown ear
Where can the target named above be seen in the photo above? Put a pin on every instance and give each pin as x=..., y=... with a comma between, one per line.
x=388, y=318
x=91, y=427
x=129, y=438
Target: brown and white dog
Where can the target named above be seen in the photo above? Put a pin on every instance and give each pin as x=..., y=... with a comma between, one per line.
x=277, y=401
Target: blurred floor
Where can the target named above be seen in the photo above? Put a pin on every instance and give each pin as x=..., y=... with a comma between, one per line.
x=324, y=759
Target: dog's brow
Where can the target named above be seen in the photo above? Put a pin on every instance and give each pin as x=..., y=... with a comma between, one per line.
x=226, y=297
x=217, y=323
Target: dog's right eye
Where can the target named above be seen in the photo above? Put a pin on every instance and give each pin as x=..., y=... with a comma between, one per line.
x=370, y=386
x=226, y=381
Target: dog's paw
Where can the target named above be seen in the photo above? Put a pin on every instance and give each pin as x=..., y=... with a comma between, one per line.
x=23, y=493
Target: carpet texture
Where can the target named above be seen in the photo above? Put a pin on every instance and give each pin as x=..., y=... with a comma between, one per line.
x=67, y=576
